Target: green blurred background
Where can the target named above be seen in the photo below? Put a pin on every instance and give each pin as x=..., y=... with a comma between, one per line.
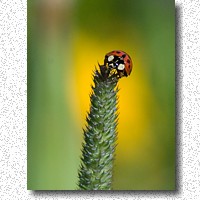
x=66, y=39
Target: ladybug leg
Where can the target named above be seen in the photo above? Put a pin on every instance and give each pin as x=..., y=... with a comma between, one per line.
x=112, y=71
x=125, y=73
x=119, y=74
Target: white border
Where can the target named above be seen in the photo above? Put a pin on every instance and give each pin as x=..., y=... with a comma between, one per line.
x=13, y=108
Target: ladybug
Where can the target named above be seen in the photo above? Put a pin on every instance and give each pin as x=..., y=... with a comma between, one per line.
x=119, y=61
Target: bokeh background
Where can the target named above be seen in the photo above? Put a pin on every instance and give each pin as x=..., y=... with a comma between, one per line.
x=66, y=40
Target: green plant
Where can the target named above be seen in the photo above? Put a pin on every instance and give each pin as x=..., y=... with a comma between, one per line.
x=100, y=135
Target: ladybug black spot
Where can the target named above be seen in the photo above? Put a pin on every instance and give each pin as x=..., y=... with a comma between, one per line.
x=124, y=55
x=129, y=66
x=117, y=51
x=128, y=61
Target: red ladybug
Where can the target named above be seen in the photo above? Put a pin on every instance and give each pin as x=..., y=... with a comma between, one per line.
x=119, y=61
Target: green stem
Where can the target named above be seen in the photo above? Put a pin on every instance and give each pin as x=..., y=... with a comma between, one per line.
x=96, y=170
